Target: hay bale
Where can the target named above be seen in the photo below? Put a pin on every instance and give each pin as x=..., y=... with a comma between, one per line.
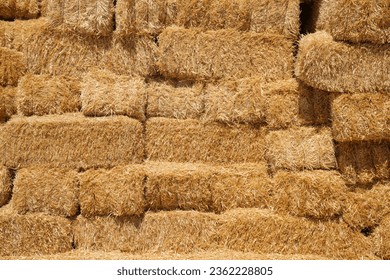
x=170, y=100
x=5, y=185
x=363, y=162
x=91, y=17
x=193, y=54
x=313, y=194
x=301, y=148
x=381, y=239
x=19, y=9
x=7, y=103
x=104, y=93
x=262, y=231
x=34, y=234
x=359, y=21
x=115, y=192
x=361, y=117
x=341, y=67
x=367, y=207
x=192, y=141
x=71, y=141
x=44, y=95
x=12, y=67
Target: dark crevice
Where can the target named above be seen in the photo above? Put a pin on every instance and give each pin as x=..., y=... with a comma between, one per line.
x=367, y=231
x=114, y=17
x=308, y=17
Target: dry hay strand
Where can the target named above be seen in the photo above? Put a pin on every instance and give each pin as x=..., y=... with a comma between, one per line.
x=71, y=141
x=313, y=194
x=5, y=185
x=357, y=21
x=7, y=103
x=262, y=231
x=52, y=191
x=34, y=234
x=115, y=192
x=366, y=208
x=361, y=117
x=91, y=17
x=45, y=95
x=381, y=239
x=341, y=67
x=300, y=148
x=363, y=162
x=12, y=66
x=19, y=9
x=193, y=54
x=192, y=141
x=104, y=93
x=175, y=100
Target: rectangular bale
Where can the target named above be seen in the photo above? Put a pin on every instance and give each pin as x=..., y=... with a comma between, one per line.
x=211, y=55
x=45, y=95
x=52, y=191
x=19, y=9
x=114, y=192
x=104, y=93
x=71, y=141
x=301, y=148
x=381, y=239
x=5, y=185
x=12, y=67
x=7, y=103
x=192, y=141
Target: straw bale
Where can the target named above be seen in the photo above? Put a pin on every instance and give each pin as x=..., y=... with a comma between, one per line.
x=192, y=141
x=34, y=234
x=19, y=9
x=7, y=103
x=12, y=66
x=193, y=54
x=360, y=117
x=356, y=21
x=300, y=148
x=104, y=93
x=91, y=17
x=170, y=100
x=382, y=239
x=115, y=192
x=72, y=141
x=5, y=185
x=44, y=95
x=341, y=67
x=314, y=194
x=366, y=208
x=364, y=162
x=263, y=231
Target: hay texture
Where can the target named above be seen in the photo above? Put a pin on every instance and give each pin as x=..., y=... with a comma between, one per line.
x=171, y=100
x=301, y=148
x=7, y=103
x=104, y=94
x=192, y=141
x=313, y=194
x=19, y=9
x=5, y=185
x=357, y=21
x=264, y=232
x=72, y=141
x=91, y=17
x=12, y=66
x=115, y=192
x=34, y=234
x=44, y=95
x=382, y=239
x=364, y=162
x=341, y=67
x=211, y=55
x=361, y=117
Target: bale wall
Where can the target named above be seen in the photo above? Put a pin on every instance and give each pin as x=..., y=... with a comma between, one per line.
x=12, y=67
x=7, y=103
x=19, y=9
x=382, y=239
x=5, y=185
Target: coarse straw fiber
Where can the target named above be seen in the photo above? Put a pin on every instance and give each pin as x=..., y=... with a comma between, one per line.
x=45, y=95
x=71, y=141
x=300, y=148
x=12, y=66
x=19, y=9
x=34, y=234
x=314, y=194
x=192, y=141
x=356, y=21
x=115, y=192
x=52, y=191
x=5, y=185
x=262, y=231
x=342, y=67
x=175, y=100
x=91, y=17
x=211, y=55
x=279, y=17
x=363, y=162
x=104, y=93
x=361, y=117
x=7, y=103
x=381, y=239
x=367, y=207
